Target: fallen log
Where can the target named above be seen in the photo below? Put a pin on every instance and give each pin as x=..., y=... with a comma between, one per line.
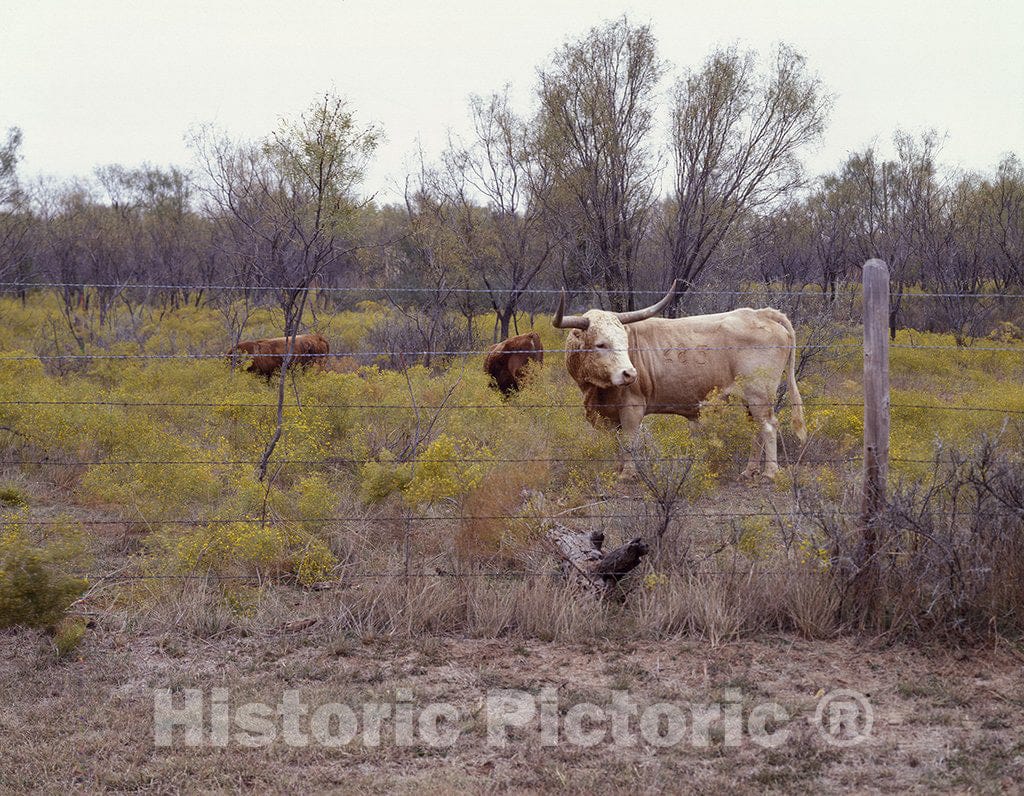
x=587, y=566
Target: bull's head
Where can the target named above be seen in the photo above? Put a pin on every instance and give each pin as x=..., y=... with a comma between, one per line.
x=598, y=346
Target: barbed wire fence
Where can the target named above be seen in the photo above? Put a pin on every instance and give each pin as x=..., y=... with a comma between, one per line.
x=870, y=460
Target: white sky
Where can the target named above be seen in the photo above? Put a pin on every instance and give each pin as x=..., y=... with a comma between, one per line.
x=103, y=81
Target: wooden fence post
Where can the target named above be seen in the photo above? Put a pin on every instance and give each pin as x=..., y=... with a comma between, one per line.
x=876, y=438
x=876, y=386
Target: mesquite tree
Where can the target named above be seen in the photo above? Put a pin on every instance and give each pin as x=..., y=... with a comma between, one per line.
x=736, y=136
x=506, y=237
x=287, y=204
x=15, y=219
x=597, y=101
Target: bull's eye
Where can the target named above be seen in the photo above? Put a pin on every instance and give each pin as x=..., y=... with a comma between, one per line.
x=600, y=345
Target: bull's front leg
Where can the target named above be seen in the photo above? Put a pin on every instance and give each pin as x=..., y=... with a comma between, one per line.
x=630, y=418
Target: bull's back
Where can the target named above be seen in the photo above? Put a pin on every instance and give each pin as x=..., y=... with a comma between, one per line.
x=243, y=347
x=305, y=345
x=268, y=353
x=528, y=345
x=680, y=361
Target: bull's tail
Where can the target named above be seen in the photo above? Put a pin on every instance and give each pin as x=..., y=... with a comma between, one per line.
x=796, y=403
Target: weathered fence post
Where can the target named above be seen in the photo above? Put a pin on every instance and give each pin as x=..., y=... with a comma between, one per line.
x=876, y=433
x=876, y=385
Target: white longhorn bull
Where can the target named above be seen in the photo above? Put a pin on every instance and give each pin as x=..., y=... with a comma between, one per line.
x=631, y=364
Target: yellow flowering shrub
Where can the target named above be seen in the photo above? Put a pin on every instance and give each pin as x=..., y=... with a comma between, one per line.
x=841, y=425
x=380, y=479
x=810, y=552
x=250, y=547
x=447, y=468
x=757, y=538
x=1007, y=332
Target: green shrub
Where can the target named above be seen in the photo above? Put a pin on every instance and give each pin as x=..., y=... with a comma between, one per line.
x=251, y=548
x=34, y=592
x=68, y=635
x=12, y=497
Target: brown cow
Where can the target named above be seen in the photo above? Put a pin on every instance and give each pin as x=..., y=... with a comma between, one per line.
x=506, y=361
x=268, y=354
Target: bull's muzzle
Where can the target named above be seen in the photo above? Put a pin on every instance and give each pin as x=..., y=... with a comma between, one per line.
x=626, y=377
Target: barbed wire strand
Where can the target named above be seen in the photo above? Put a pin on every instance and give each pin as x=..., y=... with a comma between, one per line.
x=460, y=407
x=767, y=292
x=297, y=358
x=404, y=576
x=422, y=460
x=564, y=515
x=478, y=459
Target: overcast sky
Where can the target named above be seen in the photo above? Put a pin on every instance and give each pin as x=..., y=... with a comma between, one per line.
x=103, y=81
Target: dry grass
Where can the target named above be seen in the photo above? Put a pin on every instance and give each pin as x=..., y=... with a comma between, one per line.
x=943, y=721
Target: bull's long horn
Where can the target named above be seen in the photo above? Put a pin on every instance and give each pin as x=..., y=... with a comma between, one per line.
x=561, y=321
x=649, y=312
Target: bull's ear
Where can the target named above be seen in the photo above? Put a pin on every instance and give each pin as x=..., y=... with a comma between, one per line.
x=575, y=358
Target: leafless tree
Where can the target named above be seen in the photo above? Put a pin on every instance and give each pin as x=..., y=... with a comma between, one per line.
x=287, y=203
x=888, y=203
x=89, y=247
x=506, y=238
x=832, y=222
x=432, y=260
x=954, y=260
x=592, y=133
x=15, y=218
x=736, y=136
x=168, y=234
x=782, y=241
x=1003, y=211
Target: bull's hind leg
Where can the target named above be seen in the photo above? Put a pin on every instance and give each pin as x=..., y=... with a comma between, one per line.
x=765, y=438
x=753, y=467
x=770, y=430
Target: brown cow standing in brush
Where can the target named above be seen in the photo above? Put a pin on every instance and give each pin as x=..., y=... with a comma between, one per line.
x=631, y=364
x=268, y=354
x=506, y=361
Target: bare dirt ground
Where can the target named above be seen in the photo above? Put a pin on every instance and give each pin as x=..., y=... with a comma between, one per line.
x=950, y=720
